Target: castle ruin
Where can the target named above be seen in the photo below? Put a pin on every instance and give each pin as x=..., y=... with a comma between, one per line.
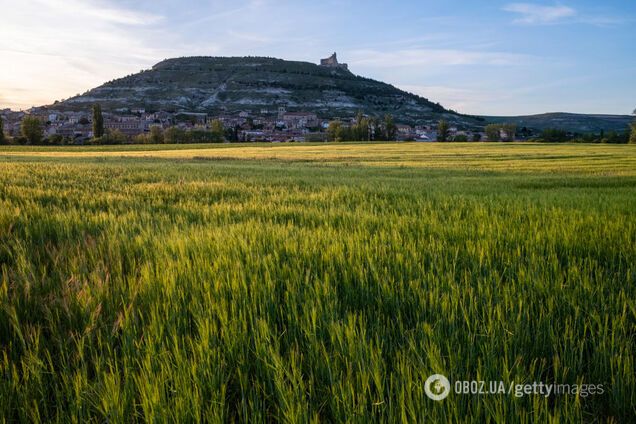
x=332, y=62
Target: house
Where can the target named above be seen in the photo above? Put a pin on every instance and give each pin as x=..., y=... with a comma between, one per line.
x=299, y=120
x=127, y=127
x=404, y=132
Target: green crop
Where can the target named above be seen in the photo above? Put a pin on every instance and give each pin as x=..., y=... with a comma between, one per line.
x=315, y=283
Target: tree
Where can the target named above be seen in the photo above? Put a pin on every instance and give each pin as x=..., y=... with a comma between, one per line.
x=217, y=131
x=390, y=129
x=2, y=139
x=334, y=131
x=553, y=135
x=493, y=132
x=442, y=131
x=56, y=139
x=31, y=129
x=632, y=135
x=361, y=130
x=476, y=137
x=98, y=121
x=156, y=135
x=510, y=130
x=174, y=135
x=614, y=137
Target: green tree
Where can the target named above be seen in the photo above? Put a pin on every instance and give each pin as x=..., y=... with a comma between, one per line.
x=361, y=130
x=156, y=135
x=493, y=132
x=2, y=139
x=442, y=131
x=334, y=131
x=614, y=137
x=510, y=130
x=98, y=121
x=217, y=131
x=553, y=135
x=476, y=136
x=31, y=129
x=174, y=135
x=632, y=132
x=390, y=129
x=56, y=139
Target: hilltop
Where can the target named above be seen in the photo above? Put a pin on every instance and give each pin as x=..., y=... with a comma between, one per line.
x=217, y=85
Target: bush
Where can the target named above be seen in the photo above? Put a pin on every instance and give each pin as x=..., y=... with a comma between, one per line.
x=111, y=137
x=56, y=139
x=614, y=137
x=553, y=135
x=175, y=135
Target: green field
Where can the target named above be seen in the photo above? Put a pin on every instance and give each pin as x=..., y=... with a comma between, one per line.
x=315, y=283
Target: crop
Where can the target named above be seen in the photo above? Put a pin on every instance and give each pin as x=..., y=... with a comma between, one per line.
x=315, y=283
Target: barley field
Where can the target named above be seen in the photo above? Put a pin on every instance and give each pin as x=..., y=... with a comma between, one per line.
x=316, y=283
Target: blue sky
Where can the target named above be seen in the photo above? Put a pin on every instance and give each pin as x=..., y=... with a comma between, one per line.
x=479, y=57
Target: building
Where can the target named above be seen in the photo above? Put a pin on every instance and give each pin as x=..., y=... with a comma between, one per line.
x=332, y=62
x=127, y=127
x=298, y=120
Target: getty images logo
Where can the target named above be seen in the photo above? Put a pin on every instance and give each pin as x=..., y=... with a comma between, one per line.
x=437, y=387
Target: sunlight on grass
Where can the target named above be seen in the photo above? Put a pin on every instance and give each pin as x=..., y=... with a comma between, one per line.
x=315, y=283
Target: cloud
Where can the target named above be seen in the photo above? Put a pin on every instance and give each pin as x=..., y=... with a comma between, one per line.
x=96, y=12
x=57, y=48
x=537, y=14
x=432, y=57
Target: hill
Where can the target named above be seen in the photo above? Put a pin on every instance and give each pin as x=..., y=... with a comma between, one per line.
x=573, y=122
x=228, y=84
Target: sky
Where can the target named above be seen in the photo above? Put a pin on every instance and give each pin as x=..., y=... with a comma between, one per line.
x=485, y=57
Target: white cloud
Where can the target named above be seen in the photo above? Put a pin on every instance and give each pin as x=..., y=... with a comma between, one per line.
x=96, y=12
x=54, y=49
x=537, y=14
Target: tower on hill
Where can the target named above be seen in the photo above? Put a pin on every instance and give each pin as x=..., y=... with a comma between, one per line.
x=332, y=62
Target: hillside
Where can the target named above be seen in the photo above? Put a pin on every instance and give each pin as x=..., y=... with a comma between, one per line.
x=573, y=122
x=219, y=84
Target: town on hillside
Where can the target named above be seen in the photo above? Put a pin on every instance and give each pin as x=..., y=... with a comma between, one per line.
x=277, y=123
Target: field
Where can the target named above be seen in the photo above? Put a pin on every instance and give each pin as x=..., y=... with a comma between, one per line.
x=316, y=283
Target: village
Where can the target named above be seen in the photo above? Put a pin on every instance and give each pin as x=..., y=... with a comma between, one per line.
x=279, y=125
x=276, y=123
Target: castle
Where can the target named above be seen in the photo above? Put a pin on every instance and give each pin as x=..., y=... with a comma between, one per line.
x=332, y=62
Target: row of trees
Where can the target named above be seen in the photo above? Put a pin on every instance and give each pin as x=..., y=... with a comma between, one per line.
x=364, y=129
x=172, y=135
x=553, y=135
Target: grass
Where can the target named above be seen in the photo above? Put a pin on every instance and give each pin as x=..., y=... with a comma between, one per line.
x=312, y=283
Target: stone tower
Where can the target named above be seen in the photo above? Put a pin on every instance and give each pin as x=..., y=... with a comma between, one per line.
x=332, y=62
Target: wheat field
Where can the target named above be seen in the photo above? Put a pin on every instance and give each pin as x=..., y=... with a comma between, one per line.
x=315, y=282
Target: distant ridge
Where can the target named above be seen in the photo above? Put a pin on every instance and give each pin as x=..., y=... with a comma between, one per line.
x=573, y=122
